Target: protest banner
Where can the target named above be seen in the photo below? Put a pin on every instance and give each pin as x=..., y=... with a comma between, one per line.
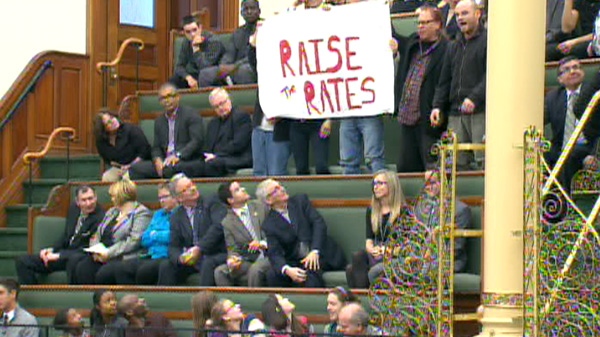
x=327, y=63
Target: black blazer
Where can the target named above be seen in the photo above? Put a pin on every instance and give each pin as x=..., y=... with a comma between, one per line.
x=555, y=111
x=207, y=228
x=281, y=131
x=284, y=238
x=232, y=138
x=188, y=134
x=407, y=47
x=82, y=239
x=130, y=144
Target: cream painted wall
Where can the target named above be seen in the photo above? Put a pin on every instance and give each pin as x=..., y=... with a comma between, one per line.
x=270, y=7
x=31, y=26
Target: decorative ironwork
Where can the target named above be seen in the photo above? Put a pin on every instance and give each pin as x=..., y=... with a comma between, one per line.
x=561, y=249
x=416, y=295
x=502, y=300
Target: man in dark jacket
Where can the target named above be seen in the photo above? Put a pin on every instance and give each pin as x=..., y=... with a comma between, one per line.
x=460, y=93
x=178, y=140
x=228, y=137
x=83, y=218
x=422, y=55
x=234, y=67
x=200, y=52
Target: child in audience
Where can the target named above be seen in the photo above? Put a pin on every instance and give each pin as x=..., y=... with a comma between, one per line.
x=202, y=304
x=69, y=321
x=278, y=314
x=336, y=299
x=387, y=207
x=103, y=317
x=227, y=317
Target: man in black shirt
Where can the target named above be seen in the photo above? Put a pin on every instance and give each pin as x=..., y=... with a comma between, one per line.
x=83, y=218
x=235, y=68
x=197, y=54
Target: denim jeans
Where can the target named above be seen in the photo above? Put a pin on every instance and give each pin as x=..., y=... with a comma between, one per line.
x=270, y=158
x=356, y=134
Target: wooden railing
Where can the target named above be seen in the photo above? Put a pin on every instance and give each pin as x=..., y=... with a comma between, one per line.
x=60, y=97
x=108, y=70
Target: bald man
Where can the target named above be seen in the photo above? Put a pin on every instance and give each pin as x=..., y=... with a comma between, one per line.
x=141, y=321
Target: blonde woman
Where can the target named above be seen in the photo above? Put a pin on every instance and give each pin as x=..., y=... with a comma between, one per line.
x=120, y=232
x=387, y=206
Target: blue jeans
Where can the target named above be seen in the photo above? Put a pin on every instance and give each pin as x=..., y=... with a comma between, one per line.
x=270, y=158
x=353, y=132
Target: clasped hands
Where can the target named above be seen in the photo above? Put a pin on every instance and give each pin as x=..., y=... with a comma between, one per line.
x=310, y=262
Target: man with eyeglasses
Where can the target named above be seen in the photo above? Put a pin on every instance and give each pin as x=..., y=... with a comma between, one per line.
x=563, y=107
x=228, y=137
x=422, y=55
x=299, y=249
x=197, y=242
x=197, y=55
x=247, y=264
x=178, y=140
x=460, y=93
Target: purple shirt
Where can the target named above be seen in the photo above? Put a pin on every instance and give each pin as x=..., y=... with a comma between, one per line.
x=171, y=120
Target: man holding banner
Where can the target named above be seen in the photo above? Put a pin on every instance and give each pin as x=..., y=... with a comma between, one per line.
x=321, y=71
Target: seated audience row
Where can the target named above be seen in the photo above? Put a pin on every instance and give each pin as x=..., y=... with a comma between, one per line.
x=278, y=240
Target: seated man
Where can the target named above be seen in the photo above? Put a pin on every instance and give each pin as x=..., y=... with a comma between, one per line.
x=353, y=320
x=428, y=204
x=197, y=242
x=235, y=68
x=16, y=321
x=141, y=321
x=177, y=141
x=228, y=138
x=198, y=53
x=246, y=242
x=83, y=218
x=562, y=110
x=296, y=235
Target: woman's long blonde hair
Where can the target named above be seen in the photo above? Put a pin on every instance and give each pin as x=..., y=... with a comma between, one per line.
x=395, y=199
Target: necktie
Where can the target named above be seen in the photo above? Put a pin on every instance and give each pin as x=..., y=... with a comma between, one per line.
x=570, y=119
x=191, y=213
x=247, y=221
x=80, y=221
x=4, y=320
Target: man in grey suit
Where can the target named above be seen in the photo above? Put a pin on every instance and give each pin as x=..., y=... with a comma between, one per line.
x=178, y=141
x=246, y=242
x=16, y=321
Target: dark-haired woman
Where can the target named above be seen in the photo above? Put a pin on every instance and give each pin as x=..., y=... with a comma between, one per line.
x=104, y=319
x=278, y=315
x=119, y=144
x=336, y=299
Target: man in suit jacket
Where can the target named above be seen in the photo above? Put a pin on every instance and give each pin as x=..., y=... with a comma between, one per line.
x=422, y=55
x=296, y=235
x=246, y=242
x=561, y=112
x=83, y=218
x=178, y=138
x=16, y=321
x=228, y=138
x=197, y=242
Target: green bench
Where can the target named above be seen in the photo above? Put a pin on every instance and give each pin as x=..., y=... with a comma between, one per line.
x=345, y=224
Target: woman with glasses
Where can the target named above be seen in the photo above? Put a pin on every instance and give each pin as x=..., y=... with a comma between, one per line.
x=228, y=319
x=117, y=238
x=387, y=207
x=155, y=243
x=119, y=144
x=336, y=299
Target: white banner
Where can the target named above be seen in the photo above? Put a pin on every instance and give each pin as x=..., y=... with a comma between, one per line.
x=327, y=63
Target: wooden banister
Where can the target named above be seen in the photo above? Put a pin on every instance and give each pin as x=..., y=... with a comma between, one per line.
x=119, y=56
x=41, y=154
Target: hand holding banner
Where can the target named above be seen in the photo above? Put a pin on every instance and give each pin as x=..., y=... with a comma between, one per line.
x=327, y=64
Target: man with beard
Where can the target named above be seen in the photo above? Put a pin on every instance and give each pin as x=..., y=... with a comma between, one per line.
x=141, y=321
